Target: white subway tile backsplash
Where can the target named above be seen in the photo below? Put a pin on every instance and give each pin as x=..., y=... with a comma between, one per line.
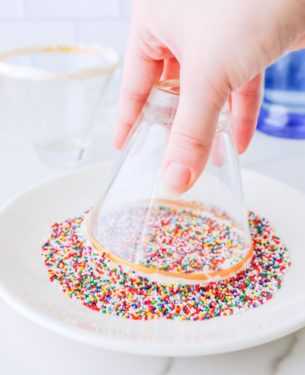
x=72, y=9
x=25, y=22
x=111, y=33
x=11, y=9
x=16, y=34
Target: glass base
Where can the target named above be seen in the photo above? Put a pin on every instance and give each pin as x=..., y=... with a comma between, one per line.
x=61, y=155
x=275, y=120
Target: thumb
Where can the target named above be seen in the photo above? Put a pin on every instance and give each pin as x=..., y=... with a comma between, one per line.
x=193, y=129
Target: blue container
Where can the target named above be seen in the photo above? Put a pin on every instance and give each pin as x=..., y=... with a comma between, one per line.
x=283, y=109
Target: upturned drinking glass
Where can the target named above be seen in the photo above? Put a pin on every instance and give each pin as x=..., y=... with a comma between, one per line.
x=199, y=236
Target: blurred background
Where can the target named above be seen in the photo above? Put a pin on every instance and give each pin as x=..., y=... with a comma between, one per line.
x=24, y=22
x=71, y=22
x=105, y=23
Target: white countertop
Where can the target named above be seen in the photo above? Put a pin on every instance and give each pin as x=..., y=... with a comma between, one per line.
x=26, y=348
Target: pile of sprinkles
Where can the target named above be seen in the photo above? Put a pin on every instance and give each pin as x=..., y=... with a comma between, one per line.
x=175, y=237
x=105, y=286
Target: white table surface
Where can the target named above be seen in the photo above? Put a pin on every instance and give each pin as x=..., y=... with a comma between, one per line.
x=26, y=348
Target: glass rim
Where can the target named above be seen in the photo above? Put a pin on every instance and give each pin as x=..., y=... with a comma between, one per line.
x=10, y=70
x=170, y=86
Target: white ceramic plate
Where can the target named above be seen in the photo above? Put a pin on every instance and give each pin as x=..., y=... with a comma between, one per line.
x=24, y=283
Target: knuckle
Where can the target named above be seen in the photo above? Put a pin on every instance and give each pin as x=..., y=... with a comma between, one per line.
x=126, y=126
x=123, y=126
x=134, y=95
x=189, y=142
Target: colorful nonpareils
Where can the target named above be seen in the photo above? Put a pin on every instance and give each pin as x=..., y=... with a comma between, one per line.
x=93, y=279
x=173, y=237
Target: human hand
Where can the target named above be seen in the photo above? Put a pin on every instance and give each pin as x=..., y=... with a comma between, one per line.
x=219, y=49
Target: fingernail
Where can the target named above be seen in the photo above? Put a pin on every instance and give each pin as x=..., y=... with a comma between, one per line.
x=177, y=176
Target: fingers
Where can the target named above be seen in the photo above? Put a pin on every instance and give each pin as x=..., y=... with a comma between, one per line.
x=171, y=69
x=300, y=44
x=245, y=104
x=193, y=130
x=140, y=73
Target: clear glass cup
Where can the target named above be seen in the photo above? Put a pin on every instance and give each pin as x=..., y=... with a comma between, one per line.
x=58, y=91
x=201, y=235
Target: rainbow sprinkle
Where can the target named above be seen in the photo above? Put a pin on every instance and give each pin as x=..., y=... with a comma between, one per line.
x=173, y=237
x=104, y=286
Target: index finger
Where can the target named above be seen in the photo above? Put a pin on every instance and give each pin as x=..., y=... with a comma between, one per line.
x=140, y=74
